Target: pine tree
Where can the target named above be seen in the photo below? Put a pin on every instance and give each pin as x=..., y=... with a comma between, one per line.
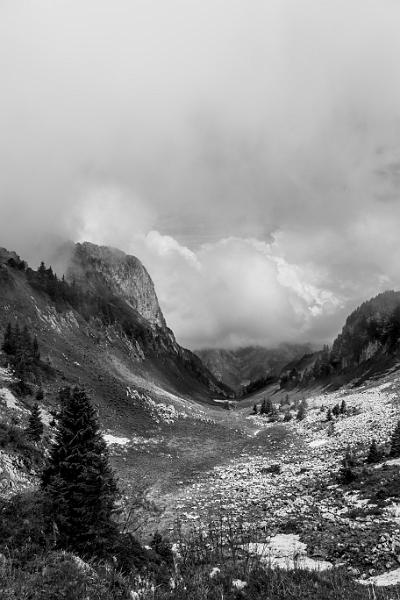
x=269, y=408
x=78, y=481
x=8, y=345
x=263, y=409
x=336, y=410
x=329, y=415
x=395, y=442
x=346, y=473
x=273, y=414
x=255, y=411
x=301, y=413
x=373, y=454
x=35, y=425
x=343, y=407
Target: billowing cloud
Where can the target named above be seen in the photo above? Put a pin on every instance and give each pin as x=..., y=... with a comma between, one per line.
x=248, y=153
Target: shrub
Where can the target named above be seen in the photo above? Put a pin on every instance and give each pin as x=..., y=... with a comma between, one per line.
x=374, y=455
x=273, y=469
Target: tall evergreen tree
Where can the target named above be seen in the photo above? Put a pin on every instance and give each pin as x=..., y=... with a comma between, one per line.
x=78, y=480
x=35, y=424
x=343, y=407
x=329, y=415
x=336, y=410
x=255, y=411
x=395, y=442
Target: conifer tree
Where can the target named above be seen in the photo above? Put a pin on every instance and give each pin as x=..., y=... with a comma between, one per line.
x=336, y=410
x=346, y=473
x=373, y=454
x=343, y=407
x=255, y=411
x=301, y=413
x=78, y=481
x=269, y=408
x=329, y=415
x=263, y=409
x=395, y=442
x=8, y=345
x=35, y=425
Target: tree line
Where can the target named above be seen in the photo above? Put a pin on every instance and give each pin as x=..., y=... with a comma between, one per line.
x=65, y=295
x=22, y=350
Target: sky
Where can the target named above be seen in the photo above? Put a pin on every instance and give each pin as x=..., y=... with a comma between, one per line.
x=247, y=152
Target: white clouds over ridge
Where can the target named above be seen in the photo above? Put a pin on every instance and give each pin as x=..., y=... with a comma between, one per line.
x=247, y=152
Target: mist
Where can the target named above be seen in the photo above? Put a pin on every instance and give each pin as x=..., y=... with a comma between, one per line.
x=247, y=153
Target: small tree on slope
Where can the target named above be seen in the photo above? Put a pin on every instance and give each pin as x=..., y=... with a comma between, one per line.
x=373, y=454
x=78, y=481
x=395, y=442
x=301, y=413
x=35, y=425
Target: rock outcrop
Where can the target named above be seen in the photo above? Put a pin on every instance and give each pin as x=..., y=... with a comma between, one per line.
x=102, y=269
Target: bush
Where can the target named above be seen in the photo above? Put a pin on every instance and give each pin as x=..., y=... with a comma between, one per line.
x=15, y=439
x=55, y=575
x=272, y=469
x=24, y=526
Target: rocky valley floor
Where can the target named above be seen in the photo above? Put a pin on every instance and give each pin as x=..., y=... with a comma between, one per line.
x=281, y=479
x=277, y=482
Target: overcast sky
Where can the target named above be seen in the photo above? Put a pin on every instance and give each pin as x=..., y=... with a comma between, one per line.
x=248, y=152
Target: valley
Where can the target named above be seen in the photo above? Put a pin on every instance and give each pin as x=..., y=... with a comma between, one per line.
x=235, y=479
x=279, y=474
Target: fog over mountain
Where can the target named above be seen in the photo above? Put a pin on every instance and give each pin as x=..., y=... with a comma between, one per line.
x=247, y=153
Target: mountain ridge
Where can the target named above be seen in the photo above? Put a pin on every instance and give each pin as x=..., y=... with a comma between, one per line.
x=105, y=309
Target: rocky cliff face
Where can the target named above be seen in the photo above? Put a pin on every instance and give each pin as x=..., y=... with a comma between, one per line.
x=100, y=268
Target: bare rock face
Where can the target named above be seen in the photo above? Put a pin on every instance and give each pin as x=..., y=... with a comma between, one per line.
x=101, y=269
x=6, y=255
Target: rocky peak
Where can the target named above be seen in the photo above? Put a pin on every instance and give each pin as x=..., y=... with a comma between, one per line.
x=102, y=268
x=6, y=255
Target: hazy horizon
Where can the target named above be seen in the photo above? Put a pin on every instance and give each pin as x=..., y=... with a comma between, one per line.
x=247, y=153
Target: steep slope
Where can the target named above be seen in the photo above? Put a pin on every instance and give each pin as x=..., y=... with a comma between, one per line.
x=367, y=345
x=237, y=368
x=372, y=330
x=98, y=268
x=108, y=320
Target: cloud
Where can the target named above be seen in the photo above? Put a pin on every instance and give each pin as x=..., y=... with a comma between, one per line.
x=233, y=292
x=247, y=152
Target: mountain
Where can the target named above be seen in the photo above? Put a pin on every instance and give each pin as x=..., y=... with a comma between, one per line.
x=102, y=325
x=368, y=344
x=237, y=368
x=372, y=330
x=99, y=269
